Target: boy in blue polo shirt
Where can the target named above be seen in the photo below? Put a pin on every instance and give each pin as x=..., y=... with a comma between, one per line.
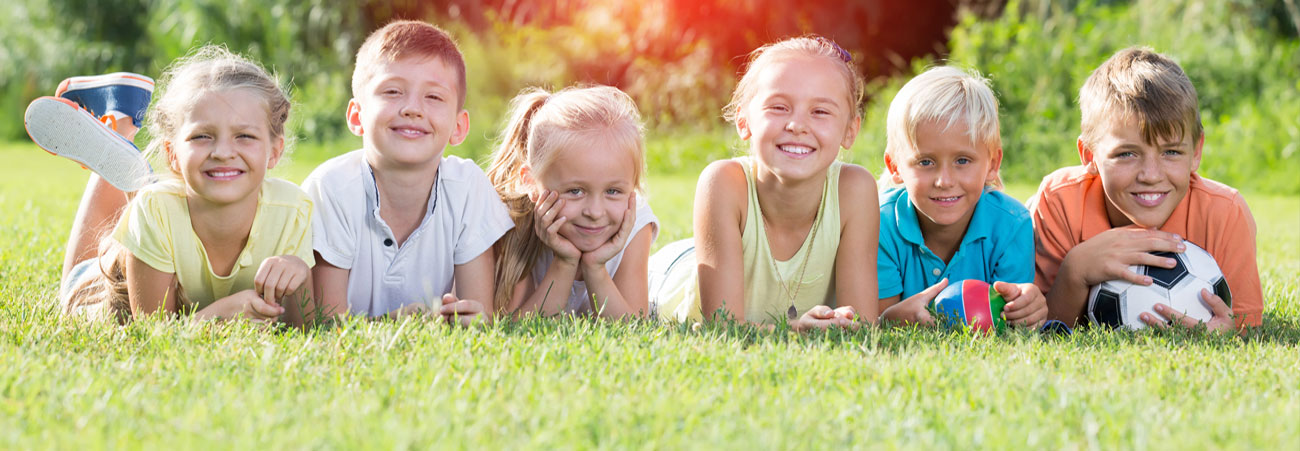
x=948, y=220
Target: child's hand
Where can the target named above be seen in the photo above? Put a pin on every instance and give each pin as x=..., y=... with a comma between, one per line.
x=246, y=304
x=279, y=276
x=463, y=312
x=614, y=245
x=1026, y=305
x=913, y=309
x=1108, y=255
x=1166, y=316
x=546, y=224
x=822, y=317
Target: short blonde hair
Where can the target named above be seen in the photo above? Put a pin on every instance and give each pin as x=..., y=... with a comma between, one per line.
x=541, y=123
x=815, y=46
x=405, y=39
x=947, y=96
x=1139, y=84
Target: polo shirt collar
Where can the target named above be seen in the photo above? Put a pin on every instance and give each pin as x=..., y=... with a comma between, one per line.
x=372, y=189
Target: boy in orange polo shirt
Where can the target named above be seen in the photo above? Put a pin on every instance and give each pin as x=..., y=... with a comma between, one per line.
x=1138, y=192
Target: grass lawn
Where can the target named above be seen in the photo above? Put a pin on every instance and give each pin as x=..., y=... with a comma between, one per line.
x=586, y=384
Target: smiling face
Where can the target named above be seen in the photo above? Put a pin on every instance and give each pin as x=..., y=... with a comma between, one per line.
x=1143, y=181
x=798, y=117
x=407, y=112
x=945, y=175
x=595, y=178
x=223, y=148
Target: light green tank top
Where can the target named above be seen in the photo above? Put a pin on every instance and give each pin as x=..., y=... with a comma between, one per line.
x=770, y=283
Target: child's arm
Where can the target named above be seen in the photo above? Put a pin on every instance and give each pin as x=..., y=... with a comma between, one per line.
x=913, y=309
x=1106, y=256
x=472, y=282
x=719, y=215
x=855, y=260
x=330, y=284
x=1013, y=274
x=626, y=295
x=149, y=290
x=551, y=294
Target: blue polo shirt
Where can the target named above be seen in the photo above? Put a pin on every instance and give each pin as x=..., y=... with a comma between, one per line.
x=999, y=245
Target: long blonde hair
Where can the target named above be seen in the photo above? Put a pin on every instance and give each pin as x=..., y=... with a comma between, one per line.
x=540, y=124
x=209, y=68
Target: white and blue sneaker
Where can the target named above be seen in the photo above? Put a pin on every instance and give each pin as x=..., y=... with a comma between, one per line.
x=62, y=128
x=110, y=97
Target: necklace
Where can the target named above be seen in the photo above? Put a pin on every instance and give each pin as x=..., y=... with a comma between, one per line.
x=792, y=313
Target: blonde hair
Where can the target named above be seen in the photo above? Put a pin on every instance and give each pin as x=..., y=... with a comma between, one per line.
x=207, y=69
x=947, y=96
x=814, y=46
x=1139, y=84
x=541, y=123
x=403, y=39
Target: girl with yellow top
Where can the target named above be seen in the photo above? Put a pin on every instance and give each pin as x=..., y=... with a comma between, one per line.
x=786, y=232
x=216, y=240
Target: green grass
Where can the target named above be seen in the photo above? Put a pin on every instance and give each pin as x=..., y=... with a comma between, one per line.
x=585, y=384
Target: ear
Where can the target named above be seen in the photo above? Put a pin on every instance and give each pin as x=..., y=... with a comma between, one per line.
x=462, y=128
x=851, y=134
x=277, y=151
x=995, y=164
x=892, y=167
x=1086, y=157
x=1196, y=154
x=171, y=157
x=742, y=128
x=354, y=117
x=526, y=179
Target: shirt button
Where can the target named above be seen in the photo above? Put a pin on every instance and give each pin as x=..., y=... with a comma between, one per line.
x=389, y=242
x=936, y=271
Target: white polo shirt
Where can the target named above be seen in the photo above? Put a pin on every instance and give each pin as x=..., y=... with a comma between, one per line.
x=579, y=297
x=465, y=217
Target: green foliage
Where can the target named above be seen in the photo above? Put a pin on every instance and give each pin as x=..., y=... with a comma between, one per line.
x=1247, y=79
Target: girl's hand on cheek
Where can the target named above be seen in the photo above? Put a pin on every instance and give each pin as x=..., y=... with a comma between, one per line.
x=546, y=224
x=615, y=244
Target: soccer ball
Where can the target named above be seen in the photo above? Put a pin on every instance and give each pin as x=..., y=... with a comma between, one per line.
x=1117, y=303
x=970, y=302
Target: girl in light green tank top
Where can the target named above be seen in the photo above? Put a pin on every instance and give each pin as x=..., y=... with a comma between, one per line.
x=787, y=233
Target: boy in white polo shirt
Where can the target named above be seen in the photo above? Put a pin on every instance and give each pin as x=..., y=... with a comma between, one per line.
x=398, y=225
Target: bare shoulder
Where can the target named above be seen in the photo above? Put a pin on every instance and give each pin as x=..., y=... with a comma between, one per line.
x=857, y=190
x=722, y=186
x=856, y=182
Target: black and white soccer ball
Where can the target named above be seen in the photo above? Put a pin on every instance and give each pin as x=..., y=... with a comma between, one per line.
x=1117, y=303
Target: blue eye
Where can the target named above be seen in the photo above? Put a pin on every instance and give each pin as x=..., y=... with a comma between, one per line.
x=963, y=160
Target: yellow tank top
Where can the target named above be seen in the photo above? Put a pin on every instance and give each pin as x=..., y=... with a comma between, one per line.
x=766, y=299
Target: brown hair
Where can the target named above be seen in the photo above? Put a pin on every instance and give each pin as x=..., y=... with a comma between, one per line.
x=816, y=46
x=540, y=124
x=1139, y=84
x=404, y=39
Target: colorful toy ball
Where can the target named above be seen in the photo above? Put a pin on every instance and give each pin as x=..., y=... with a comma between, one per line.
x=972, y=303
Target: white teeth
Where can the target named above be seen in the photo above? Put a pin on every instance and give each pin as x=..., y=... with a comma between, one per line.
x=1150, y=196
x=798, y=150
x=224, y=173
x=947, y=199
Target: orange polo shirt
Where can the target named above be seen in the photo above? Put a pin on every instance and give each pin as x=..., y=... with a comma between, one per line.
x=1070, y=207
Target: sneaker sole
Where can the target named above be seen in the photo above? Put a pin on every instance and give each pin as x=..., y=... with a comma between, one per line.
x=63, y=129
